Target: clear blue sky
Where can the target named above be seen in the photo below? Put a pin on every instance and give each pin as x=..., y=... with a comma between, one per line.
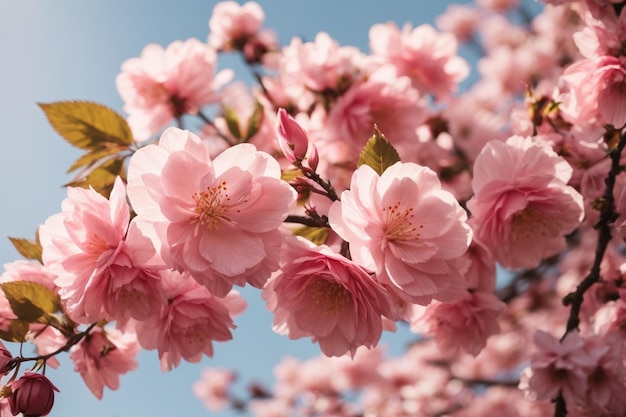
x=63, y=50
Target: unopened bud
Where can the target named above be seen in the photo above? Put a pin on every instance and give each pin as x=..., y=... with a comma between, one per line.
x=6, y=360
x=292, y=139
x=33, y=395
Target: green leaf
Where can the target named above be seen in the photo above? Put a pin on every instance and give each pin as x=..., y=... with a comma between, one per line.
x=378, y=153
x=232, y=121
x=317, y=235
x=16, y=332
x=255, y=121
x=29, y=249
x=31, y=302
x=88, y=125
x=102, y=177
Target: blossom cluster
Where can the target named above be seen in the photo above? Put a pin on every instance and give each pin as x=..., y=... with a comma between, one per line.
x=357, y=192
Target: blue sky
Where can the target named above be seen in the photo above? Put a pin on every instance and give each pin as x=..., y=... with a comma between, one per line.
x=65, y=50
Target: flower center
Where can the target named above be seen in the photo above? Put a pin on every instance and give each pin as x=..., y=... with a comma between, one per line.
x=399, y=223
x=531, y=222
x=328, y=295
x=211, y=205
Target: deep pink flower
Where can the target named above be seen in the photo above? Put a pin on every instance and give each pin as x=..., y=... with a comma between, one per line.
x=102, y=356
x=33, y=395
x=323, y=295
x=100, y=261
x=164, y=84
x=522, y=207
x=189, y=322
x=427, y=57
x=217, y=219
x=408, y=230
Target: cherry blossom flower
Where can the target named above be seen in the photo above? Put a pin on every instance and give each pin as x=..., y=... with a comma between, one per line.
x=464, y=324
x=558, y=367
x=408, y=230
x=522, y=207
x=163, y=84
x=238, y=27
x=217, y=219
x=190, y=321
x=213, y=388
x=596, y=91
x=325, y=296
x=426, y=56
x=102, y=356
x=102, y=263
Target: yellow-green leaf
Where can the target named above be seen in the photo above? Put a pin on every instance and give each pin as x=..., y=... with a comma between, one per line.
x=317, y=235
x=378, y=153
x=16, y=332
x=88, y=125
x=102, y=177
x=30, y=301
x=29, y=249
x=255, y=121
x=232, y=121
x=91, y=157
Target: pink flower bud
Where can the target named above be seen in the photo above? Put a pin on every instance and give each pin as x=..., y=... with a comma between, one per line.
x=33, y=395
x=313, y=158
x=6, y=360
x=292, y=139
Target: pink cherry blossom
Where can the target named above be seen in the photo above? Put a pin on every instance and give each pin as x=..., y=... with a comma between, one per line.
x=217, y=219
x=408, y=230
x=164, y=84
x=292, y=139
x=102, y=356
x=558, y=367
x=321, y=294
x=212, y=389
x=426, y=56
x=238, y=27
x=596, y=91
x=522, y=207
x=190, y=321
x=460, y=20
x=100, y=261
x=464, y=324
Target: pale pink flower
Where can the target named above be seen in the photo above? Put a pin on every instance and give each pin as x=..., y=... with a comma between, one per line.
x=408, y=230
x=464, y=324
x=522, y=207
x=497, y=6
x=558, y=367
x=217, y=219
x=30, y=271
x=322, y=65
x=164, y=84
x=323, y=295
x=102, y=356
x=190, y=321
x=460, y=20
x=607, y=378
x=99, y=259
x=427, y=57
x=384, y=100
x=213, y=388
x=597, y=92
x=238, y=27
